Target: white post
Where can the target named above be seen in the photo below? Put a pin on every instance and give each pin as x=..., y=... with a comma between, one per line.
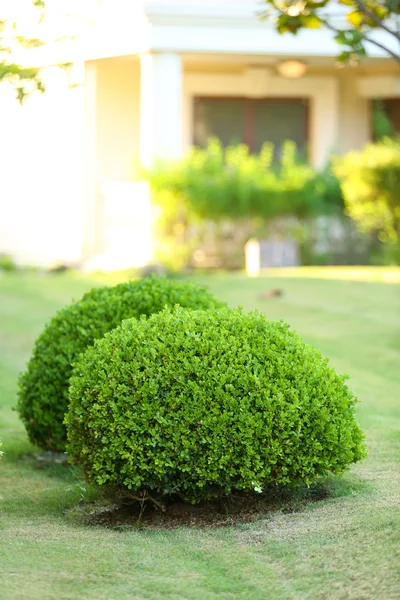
x=252, y=254
x=160, y=107
x=90, y=160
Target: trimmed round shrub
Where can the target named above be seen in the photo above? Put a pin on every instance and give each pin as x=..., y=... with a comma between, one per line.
x=43, y=387
x=206, y=403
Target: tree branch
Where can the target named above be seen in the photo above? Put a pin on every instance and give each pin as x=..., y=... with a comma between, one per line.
x=378, y=22
x=145, y=497
x=395, y=56
x=387, y=50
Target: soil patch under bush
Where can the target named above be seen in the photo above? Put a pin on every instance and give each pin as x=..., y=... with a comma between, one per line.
x=237, y=508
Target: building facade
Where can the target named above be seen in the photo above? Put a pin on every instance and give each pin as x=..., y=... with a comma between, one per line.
x=152, y=79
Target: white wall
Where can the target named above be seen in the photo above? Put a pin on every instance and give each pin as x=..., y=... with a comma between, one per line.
x=118, y=106
x=117, y=209
x=41, y=177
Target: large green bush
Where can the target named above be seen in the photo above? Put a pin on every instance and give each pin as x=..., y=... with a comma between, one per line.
x=203, y=403
x=43, y=387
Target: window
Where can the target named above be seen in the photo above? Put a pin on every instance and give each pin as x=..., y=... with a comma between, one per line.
x=253, y=122
x=392, y=107
x=385, y=117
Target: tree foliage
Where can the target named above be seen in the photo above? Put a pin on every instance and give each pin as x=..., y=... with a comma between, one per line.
x=24, y=79
x=27, y=25
x=363, y=17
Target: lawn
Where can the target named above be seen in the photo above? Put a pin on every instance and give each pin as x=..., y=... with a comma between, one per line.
x=345, y=546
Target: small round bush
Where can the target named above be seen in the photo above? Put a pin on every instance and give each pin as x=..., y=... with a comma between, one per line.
x=205, y=403
x=43, y=387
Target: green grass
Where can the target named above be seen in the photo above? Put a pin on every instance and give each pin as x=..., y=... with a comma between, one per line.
x=344, y=547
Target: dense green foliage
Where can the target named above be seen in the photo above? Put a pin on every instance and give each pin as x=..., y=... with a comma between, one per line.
x=203, y=403
x=371, y=187
x=43, y=387
x=216, y=183
x=212, y=187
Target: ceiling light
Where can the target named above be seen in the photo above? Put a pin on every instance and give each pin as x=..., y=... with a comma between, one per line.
x=292, y=69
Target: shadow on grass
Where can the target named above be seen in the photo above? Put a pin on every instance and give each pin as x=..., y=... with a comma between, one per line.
x=36, y=485
x=39, y=484
x=235, y=509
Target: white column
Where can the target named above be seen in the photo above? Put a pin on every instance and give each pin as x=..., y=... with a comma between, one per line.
x=355, y=114
x=324, y=126
x=90, y=160
x=160, y=107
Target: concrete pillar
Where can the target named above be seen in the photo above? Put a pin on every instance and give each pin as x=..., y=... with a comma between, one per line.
x=90, y=160
x=324, y=122
x=355, y=126
x=160, y=107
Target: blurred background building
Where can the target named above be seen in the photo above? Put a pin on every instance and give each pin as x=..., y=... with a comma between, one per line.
x=150, y=80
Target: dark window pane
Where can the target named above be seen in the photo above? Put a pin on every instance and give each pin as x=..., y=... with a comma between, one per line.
x=385, y=117
x=224, y=119
x=280, y=120
x=393, y=112
x=253, y=122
